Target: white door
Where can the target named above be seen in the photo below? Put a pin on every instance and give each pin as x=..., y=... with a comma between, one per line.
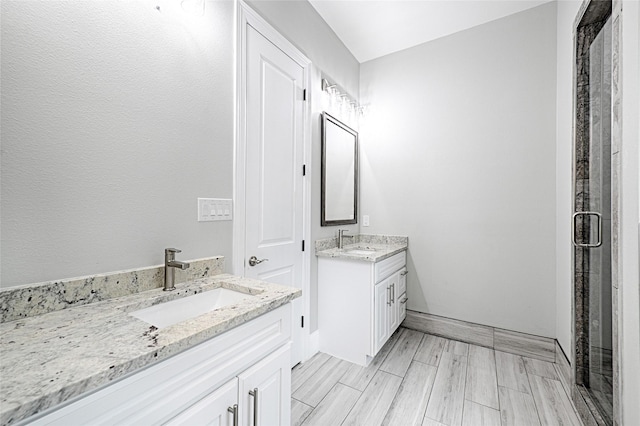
x=265, y=391
x=274, y=171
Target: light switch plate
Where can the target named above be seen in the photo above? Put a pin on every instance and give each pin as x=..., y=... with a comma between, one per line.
x=365, y=220
x=213, y=209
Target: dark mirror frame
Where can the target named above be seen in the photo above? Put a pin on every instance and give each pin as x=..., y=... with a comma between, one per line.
x=327, y=118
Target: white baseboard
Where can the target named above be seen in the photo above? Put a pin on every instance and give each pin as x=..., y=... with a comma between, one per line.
x=314, y=345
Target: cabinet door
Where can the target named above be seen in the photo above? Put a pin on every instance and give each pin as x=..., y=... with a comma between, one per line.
x=265, y=391
x=394, y=308
x=215, y=409
x=382, y=302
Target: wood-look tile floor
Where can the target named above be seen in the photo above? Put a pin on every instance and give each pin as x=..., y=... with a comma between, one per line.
x=419, y=379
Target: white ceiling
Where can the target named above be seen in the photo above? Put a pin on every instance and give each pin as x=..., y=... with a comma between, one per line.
x=374, y=28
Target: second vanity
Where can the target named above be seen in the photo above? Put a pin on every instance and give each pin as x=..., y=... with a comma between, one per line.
x=361, y=295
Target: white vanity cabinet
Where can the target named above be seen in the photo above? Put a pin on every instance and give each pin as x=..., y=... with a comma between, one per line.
x=245, y=370
x=390, y=306
x=360, y=305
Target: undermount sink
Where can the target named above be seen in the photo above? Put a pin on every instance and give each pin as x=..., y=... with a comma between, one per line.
x=360, y=251
x=170, y=313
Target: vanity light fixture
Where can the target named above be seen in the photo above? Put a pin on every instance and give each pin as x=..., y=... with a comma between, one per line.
x=193, y=7
x=326, y=86
x=343, y=99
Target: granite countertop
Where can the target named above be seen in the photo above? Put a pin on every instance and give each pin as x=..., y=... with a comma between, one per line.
x=50, y=358
x=366, y=248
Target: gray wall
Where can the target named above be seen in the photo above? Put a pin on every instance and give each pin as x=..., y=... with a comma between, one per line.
x=566, y=14
x=299, y=22
x=459, y=154
x=115, y=118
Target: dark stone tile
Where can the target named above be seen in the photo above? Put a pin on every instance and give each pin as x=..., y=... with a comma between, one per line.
x=582, y=71
x=581, y=298
x=581, y=262
x=582, y=169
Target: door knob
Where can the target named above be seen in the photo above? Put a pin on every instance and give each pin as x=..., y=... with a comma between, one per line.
x=253, y=261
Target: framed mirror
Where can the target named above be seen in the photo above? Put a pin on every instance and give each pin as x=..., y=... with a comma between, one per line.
x=339, y=192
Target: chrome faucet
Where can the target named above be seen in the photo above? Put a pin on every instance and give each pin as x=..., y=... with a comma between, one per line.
x=341, y=237
x=170, y=266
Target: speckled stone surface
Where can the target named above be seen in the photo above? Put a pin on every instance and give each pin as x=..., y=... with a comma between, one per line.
x=50, y=358
x=37, y=299
x=382, y=246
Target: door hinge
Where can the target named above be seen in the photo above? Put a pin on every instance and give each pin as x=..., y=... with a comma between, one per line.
x=302, y=245
x=304, y=170
x=304, y=94
x=302, y=321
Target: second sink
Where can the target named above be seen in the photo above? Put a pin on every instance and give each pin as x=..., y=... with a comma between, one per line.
x=359, y=251
x=169, y=313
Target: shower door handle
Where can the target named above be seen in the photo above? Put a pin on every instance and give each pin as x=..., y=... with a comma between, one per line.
x=598, y=242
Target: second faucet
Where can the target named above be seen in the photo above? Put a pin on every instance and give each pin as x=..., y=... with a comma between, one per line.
x=341, y=237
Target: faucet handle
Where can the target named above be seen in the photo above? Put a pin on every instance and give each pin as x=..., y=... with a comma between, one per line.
x=172, y=250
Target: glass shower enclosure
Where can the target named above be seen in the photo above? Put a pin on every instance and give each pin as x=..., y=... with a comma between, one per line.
x=592, y=215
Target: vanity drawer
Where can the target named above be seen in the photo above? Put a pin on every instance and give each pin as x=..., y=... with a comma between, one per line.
x=402, y=308
x=388, y=266
x=402, y=286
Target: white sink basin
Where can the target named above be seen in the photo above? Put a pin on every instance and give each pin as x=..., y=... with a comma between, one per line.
x=360, y=251
x=175, y=311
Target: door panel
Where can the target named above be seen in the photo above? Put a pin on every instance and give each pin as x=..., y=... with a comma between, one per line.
x=284, y=275
x=592, y=220
x=381, y=314
x=267, y=387
x=212, y=410
x=599, y=200
x=274, y=159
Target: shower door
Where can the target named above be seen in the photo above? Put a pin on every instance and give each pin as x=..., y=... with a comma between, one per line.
x=592, y=231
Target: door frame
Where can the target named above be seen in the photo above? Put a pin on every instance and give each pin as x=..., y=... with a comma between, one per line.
x=248, y=17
